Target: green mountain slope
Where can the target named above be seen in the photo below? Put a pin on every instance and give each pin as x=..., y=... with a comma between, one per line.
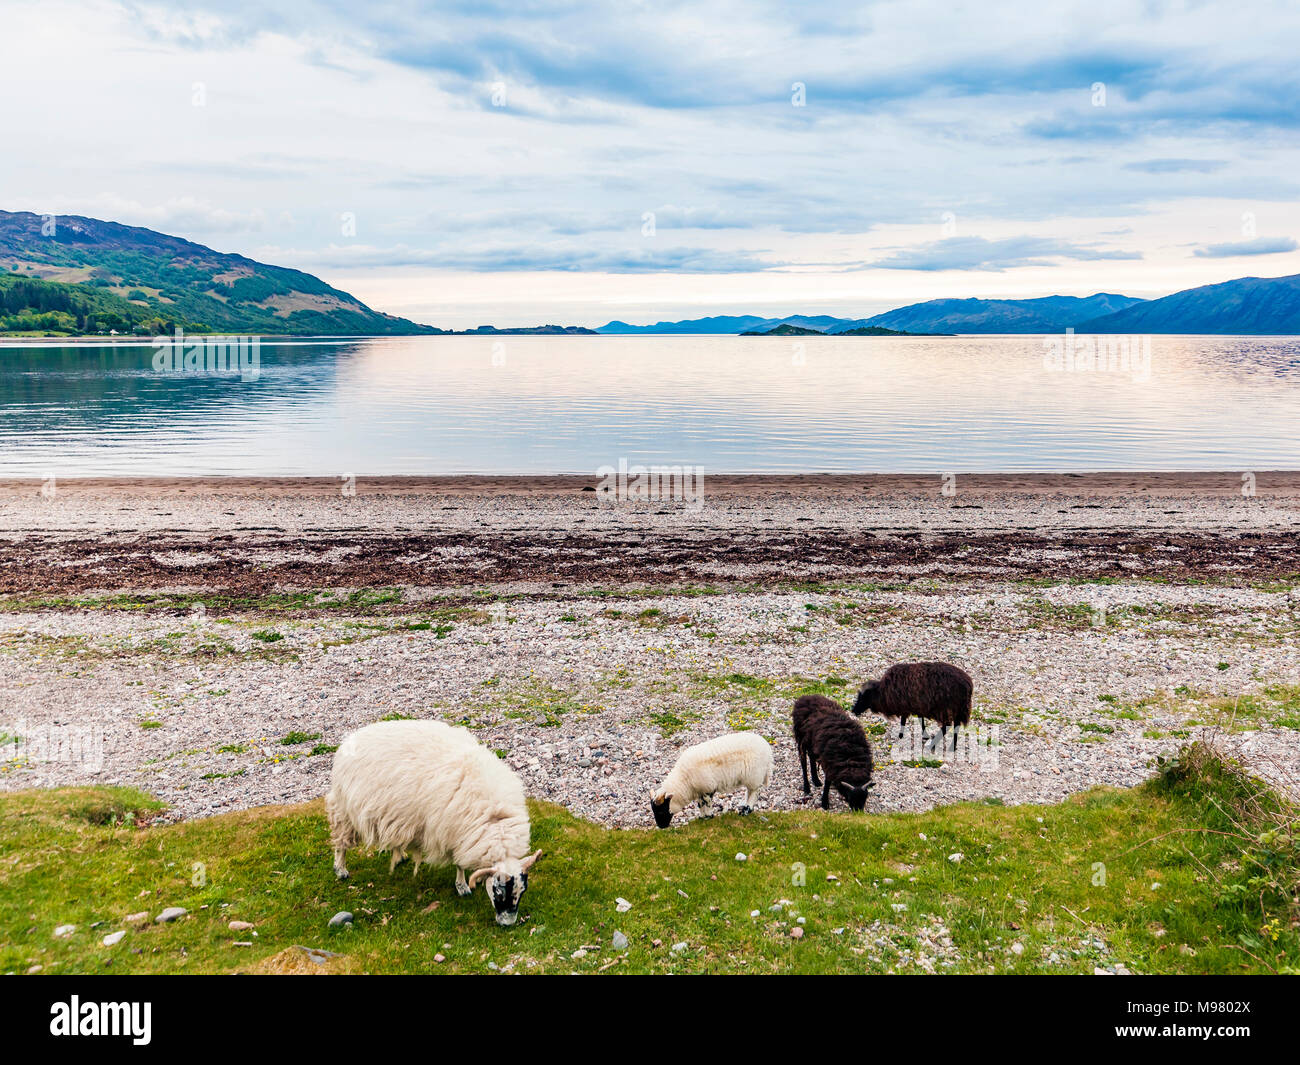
x=170, y=281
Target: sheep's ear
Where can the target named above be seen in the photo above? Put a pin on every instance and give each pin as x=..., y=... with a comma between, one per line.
x=528, y=862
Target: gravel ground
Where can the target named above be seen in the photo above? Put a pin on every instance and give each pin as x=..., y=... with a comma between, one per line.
x=590, y=694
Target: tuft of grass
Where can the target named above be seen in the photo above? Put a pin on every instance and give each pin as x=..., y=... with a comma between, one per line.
x=324, y=748
x=670, y=722
x=267, y=635
x=299, y=737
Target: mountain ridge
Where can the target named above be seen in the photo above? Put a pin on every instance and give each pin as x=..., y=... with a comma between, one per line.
x=180, y=283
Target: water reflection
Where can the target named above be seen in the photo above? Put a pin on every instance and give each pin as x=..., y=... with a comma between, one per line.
x=564, y=404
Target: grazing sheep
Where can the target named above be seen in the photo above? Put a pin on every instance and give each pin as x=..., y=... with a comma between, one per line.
x=433, y=790
x=824, y=733
x=738, y=760
x=934, y=690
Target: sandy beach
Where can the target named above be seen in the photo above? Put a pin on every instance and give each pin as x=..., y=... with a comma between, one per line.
x=191, y=627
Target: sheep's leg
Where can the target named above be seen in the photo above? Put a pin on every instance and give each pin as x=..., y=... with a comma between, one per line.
x=751, y=800
x=462, y=885
x=706, y=806
x=343, y=837
x=902, y=726
x=397, y=858
x=826, y=795
x=812, y=764
x=803, y=768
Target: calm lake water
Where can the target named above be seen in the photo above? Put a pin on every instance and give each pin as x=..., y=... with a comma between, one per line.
x=437, y=405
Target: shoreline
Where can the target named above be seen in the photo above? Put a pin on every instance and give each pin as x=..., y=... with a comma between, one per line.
x=1119, y=484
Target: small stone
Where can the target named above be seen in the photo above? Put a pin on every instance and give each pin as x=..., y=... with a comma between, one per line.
x=956, y=858
x=622, y=905
x=898, y=907
x=113, y=938
x=754, y=913
x=1099, y=971
x=577, y=955
x=242, y=943
x=439, y=958
x=801, y=920
x=678, y=948
x=340, y=919
x=240, y=926
x=64, y=930
x=34, y=969
x=832, y=876
x=620, y=941
x=796, y=933
x=741, y=857
x=1017, y=948
x=138, y=918
x=170, y=914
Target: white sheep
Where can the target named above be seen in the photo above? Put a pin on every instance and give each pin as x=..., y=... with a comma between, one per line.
x=737, y=760
x=433, y=790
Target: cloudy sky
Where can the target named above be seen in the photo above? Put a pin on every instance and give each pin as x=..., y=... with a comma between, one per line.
x=514, y=163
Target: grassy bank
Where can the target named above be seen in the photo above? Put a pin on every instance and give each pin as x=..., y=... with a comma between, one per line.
x=1193, y=872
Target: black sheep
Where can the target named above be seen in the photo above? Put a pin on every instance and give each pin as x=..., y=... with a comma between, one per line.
x=825, y=733
x=935, y=691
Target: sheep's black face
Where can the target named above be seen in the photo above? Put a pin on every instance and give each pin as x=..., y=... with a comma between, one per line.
x=854, y=794
x=505, y=892
x=662, y=809
x=866, y=699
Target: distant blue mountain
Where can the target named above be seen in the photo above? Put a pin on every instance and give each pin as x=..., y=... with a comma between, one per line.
x=727, y=323
x=1258, y=305
x=719, y=324
x=1247, y=305
x=1048, y=314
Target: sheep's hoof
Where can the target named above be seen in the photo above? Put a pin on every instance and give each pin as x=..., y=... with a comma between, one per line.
x=464, y=889
x=342, y=874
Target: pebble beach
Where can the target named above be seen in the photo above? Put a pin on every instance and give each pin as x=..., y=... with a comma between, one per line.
x=210, y=642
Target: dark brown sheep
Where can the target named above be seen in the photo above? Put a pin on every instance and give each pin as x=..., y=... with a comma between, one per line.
x=934, y=691
x=825, y=733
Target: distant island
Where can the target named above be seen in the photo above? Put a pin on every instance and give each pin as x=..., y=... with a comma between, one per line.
x=85, y=277
x=787, y=330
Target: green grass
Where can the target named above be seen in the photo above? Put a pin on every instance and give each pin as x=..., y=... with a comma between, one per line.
x=1029, y=874
x=299, y=737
